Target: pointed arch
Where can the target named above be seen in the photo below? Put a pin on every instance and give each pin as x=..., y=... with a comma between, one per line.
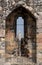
x=29, y=25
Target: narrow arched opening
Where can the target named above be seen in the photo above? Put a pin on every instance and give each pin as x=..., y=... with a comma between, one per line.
x=20, y=27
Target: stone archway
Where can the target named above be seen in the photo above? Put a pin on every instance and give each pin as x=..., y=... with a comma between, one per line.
x=29, y=31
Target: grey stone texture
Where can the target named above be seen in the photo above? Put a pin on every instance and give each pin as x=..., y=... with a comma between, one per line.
x=6, y=6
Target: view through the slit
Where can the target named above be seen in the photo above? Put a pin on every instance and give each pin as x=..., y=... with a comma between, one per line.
x=19, y=32
x=20, y=28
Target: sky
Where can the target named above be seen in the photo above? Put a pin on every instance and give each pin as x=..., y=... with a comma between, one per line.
x=20, y=27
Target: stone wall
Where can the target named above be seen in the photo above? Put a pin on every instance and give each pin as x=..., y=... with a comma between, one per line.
x=5, y=8
x=39, y=38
